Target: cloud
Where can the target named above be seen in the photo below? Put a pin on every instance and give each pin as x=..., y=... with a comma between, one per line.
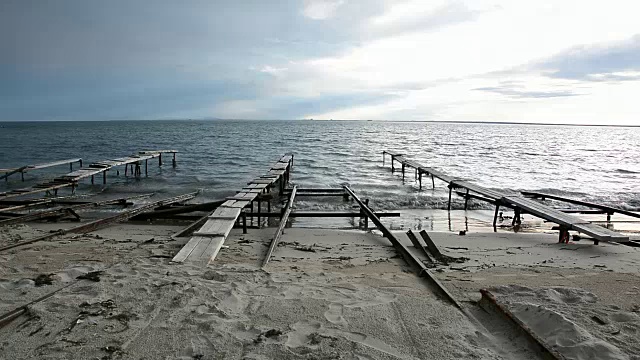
x=617, y=61
x=321, y=9
x=526, y=94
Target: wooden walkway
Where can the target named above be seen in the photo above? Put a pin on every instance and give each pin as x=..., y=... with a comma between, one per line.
x=24, y=169
x=519, y=203
x=134, y=162
x=205, y=243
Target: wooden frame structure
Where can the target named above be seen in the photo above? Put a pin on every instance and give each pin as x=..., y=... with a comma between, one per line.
x=520, y=204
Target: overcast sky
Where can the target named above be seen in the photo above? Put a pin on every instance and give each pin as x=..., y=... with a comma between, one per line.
x=526, y=61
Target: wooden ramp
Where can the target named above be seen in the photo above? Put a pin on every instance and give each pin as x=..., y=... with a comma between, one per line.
x=205, y=243
x=100, y=167
x=520, y=204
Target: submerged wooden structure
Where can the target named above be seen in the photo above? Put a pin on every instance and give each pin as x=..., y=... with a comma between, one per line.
x=520, y=204
x=71, y=180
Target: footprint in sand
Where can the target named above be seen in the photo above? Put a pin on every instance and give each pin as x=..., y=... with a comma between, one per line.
x=334, y=314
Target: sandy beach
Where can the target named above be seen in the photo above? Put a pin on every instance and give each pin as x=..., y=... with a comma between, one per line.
x=334, y=294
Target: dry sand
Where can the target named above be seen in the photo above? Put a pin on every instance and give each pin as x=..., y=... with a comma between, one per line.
x=327, y=294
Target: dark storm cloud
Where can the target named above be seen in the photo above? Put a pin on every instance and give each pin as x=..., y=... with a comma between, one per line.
x=95, y=59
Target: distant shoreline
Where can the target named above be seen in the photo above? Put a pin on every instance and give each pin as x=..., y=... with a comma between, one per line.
x=334, y=120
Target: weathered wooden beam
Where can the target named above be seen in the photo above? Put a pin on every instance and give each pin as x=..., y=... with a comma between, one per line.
x=58, y=211
x=418, y=245
x=163, y=213
x=404, y=251
x=101, y=223
x=283, y=223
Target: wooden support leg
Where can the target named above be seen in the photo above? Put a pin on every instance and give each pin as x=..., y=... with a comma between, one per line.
x=449, y=205
x=466, y=200
x=420, y=180
x=104, y=177
x=126, y=169
x=433, y=182
x=402, y=171
x=70, y=167
x=92, y=180
x=608, y=217
x=516, y=217
x=22, y=175
x=393, y=169
x=366, y=218
x=160, y=160
x=80, y=162
x=495, y=217
x=174, y=159
x=146, y=167
x=244, y=222
x=259, y=206
x=563, y=235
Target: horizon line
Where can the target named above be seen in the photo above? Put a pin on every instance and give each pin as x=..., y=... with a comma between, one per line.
x=322, y=120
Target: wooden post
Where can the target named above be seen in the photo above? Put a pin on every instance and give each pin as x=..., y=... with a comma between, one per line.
x=174, y=159
x=495, y=217
x=420, y=179
x=22, y=175
x=366, y=218
x=80, y=162
x=393, y=169
x=160, y=160
x=516, y=217
x=259, y=206
x=450, y=190
x=433, y=182
x=244, y=222
x=466, y=200
x=70, y=167
x=146, y=167
x=92, y=180
x=104, y=177
x=126, y=168
x=402, y=171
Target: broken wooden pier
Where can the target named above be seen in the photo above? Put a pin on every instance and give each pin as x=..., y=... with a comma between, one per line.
x=515, y=201
x=132, y=164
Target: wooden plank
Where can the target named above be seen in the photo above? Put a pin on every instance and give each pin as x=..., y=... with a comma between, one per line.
x=101, y=223
x=283, y=222
x=216, y=227
x=236, y=204
x=582, y=203
x=243, y=196
x=262, y=181
x=206, y=250
x=226, y=213
x=187, y=249
x=600, y=233
x=433, y=249
x=416, y=244
x=280, y=166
